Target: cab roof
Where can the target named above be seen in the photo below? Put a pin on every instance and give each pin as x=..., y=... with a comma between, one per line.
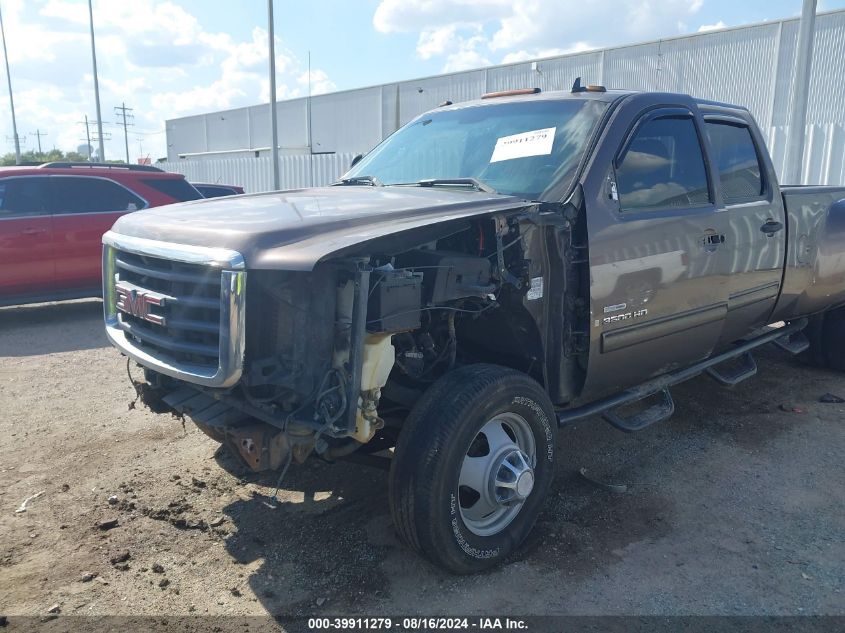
x=609, y=95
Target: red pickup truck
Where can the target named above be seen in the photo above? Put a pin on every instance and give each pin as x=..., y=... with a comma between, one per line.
x=53, y=216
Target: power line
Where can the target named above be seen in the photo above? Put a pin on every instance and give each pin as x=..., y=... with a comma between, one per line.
x=87, y=138
x=122, y=110
x=136, y=131
x=96, y=136
x=16, y=140
x=38, y=134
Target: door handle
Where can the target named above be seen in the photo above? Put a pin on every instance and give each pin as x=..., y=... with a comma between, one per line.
x=710, y=241
x=32, y=231
x=771, y=227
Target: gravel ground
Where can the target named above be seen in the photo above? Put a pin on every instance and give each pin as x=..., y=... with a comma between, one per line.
x=735, y=506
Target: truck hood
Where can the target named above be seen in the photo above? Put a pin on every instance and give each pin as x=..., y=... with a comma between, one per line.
x=293, y=230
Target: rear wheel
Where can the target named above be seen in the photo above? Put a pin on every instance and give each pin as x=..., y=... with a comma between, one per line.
x=826, y=333
x=473, y=464
x=815, y=355
x=833, y=338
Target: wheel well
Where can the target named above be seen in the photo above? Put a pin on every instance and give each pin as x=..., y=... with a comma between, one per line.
x=508, y=337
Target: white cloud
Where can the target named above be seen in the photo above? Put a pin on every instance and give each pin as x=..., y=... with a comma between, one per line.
x=459, y=46
x=465, y=33
x=152, y=54
x=712, y=27
x=434, y=42
x=465, y=58
x=320, y=82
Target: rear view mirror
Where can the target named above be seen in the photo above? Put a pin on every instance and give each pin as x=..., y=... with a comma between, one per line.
x=355, y=160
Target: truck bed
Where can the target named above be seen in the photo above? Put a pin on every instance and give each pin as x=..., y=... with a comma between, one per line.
x=814, y=274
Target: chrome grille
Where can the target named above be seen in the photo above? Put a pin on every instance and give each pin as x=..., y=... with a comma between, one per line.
x=188, y=326
x=176, y=309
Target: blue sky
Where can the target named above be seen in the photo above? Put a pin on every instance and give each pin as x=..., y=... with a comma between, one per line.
x=170, y=58
x=344, y=42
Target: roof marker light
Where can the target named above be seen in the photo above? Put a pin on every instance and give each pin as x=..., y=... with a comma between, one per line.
x=577, y=87
x=510, y=93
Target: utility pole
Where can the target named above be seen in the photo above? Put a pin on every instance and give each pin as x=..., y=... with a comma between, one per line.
x=121, y=110
x=98, y=136
x=102, y=156
x=88, y=137
x=800, y=95
x=95, y=136
x=38, y=134
x=11, y=100
x=274, y=130
x=310, y=135
x=99, y=139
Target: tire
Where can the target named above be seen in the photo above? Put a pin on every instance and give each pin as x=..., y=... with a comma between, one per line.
x=815, y=355
x=471, y=414
x=833, y=339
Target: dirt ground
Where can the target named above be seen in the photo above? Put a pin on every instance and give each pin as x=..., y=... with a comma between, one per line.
x=735, y=506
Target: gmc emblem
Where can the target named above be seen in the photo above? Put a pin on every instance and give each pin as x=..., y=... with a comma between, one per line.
x=137, y=303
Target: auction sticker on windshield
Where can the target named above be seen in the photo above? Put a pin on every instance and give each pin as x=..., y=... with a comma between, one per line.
x=534, y=143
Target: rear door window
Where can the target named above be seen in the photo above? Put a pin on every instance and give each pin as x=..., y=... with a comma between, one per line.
x=84, y=194
x=177, y=188
x=23, y=196
x=215, y=191
x=738, y=161
x=663, y=167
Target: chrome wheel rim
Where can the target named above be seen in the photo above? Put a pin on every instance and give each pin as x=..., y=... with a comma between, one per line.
x=497, y=474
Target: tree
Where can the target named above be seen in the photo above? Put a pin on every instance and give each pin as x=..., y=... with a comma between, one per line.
x=53, y=155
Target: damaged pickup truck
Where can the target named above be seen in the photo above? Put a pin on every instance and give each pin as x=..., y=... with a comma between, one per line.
x=489, y=273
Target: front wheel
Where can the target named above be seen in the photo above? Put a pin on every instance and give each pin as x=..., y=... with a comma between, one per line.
x=472, y=467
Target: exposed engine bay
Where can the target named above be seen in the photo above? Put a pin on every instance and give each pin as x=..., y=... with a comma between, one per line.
x=336, y=357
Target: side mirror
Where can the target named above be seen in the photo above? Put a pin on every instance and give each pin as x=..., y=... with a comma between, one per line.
x=355, y=160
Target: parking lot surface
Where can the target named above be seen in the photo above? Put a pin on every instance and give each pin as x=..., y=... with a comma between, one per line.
x=735, y=506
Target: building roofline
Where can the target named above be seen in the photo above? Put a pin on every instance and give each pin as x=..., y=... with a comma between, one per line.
x=590, y=51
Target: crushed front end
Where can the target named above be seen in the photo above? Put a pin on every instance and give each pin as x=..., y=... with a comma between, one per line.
x=266, y=362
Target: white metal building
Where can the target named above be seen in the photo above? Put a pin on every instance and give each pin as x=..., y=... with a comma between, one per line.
x=749, y=65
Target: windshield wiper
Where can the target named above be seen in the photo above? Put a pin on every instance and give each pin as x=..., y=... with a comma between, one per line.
x=464, y=182
x=372, y=181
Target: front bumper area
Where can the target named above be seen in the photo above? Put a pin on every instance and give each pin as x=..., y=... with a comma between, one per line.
x=223, y=371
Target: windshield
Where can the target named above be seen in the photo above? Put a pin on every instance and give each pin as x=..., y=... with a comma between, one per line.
x=517, y=148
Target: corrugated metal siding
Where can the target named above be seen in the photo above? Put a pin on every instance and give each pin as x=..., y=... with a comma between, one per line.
x=824, y=152
x=330, y=132
x=415, y=97
x=633, y=67
x=722, y=66
x=560, y=72
x=256, y=174
x=784, y=71
x=750, y=66
x=556, y=73
x=828, y=75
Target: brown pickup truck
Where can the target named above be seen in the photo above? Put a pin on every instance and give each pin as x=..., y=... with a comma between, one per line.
x=489, y=273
